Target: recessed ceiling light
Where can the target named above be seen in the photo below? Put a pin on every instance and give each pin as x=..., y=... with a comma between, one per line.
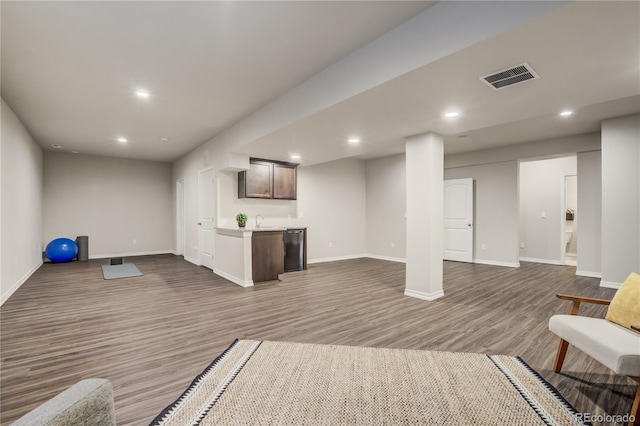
x=451, y=114
x=75, y=152
x=55, y=146
x=122, y=140
x=354, y=140
x=164, y=138
x=566, y=113
x=295, y=156
x=142, y=94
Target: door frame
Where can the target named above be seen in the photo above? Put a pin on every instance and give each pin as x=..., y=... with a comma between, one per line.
x=180, y=212
x=213, y=212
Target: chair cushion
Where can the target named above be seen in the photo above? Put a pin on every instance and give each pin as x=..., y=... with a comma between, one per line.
x=625, y=305
x=612, y=345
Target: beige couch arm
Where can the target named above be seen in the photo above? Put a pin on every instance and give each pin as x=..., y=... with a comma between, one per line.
x=89, y=402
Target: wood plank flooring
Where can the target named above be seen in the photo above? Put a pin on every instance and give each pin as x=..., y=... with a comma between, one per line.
x=152, y=335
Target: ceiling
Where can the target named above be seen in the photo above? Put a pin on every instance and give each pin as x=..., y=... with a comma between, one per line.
x=587, y=55
x=70, y=69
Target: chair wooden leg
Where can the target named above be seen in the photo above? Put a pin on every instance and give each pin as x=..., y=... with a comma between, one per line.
x=562, y=351
x=635, y=408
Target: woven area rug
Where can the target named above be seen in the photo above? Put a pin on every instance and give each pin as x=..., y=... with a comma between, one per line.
x=274, y=383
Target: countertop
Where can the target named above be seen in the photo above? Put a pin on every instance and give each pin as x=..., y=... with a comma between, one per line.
x=248, y=230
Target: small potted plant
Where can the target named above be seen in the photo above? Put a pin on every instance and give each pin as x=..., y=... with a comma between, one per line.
x=241, y=218
x=570, y=213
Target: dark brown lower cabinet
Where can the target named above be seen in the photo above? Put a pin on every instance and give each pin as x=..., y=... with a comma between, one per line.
x=267, y=255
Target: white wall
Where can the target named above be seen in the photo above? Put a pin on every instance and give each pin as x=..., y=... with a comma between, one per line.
x=332, y=203
x=21, y=204
x=620, y=199
x=386, y=207
x=559, y=147
x=541, y=191
x=590, y=208
x=113, y=201
x=495, y=199
x=495, y=174
x=495, y=211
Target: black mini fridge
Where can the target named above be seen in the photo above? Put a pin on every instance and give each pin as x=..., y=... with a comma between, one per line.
x=293, y=250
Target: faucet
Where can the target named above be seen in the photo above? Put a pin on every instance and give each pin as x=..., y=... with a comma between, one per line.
x=257, y=216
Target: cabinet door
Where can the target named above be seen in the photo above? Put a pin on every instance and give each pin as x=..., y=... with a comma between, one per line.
x=284, y=181
x=267, y=255
x=259, y=180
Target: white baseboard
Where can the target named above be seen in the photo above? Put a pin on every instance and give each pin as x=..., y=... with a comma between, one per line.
x=138, y=253
x=233, y=279
x=19, y=283
x=535, y=260
x=610, y=284
x=403, y=260
x=388, y=258
x=192, y=260
x=589, y=274
x=497, y=263
x=336, y=258
x=422, y=295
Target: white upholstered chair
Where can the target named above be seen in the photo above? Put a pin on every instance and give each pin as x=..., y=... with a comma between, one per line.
x=613, y=345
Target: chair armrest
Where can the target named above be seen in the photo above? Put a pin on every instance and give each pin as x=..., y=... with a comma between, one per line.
x=583, y=299
x=579, y=299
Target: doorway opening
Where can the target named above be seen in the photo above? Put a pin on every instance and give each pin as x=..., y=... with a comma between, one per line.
x=570, y=222
x=545, y=198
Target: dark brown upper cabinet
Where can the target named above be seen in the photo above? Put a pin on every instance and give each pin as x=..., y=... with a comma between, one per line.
x=285, y=181
x=268, y=179
x=257, y=182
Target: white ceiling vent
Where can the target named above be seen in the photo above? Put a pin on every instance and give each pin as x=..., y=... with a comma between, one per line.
x=510, y=76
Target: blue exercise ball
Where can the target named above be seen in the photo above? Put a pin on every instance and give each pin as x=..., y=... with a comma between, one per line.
x=62, y=250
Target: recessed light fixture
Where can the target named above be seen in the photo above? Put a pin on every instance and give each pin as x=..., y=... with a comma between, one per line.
x=75, y=152
x=55, y=146
x=122, y=139
x=566, y=113
x=295, y=156
x=354, y=140
x=451, y=114
x=142, y=94
x=164, y=138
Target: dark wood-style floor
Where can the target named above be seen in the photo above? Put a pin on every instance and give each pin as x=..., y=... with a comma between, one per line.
x=152, y=335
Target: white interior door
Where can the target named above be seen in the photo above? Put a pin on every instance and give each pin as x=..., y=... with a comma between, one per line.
x=458, y=220
x=205, y=217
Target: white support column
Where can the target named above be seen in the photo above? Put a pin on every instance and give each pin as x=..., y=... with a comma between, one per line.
x=425, y=199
